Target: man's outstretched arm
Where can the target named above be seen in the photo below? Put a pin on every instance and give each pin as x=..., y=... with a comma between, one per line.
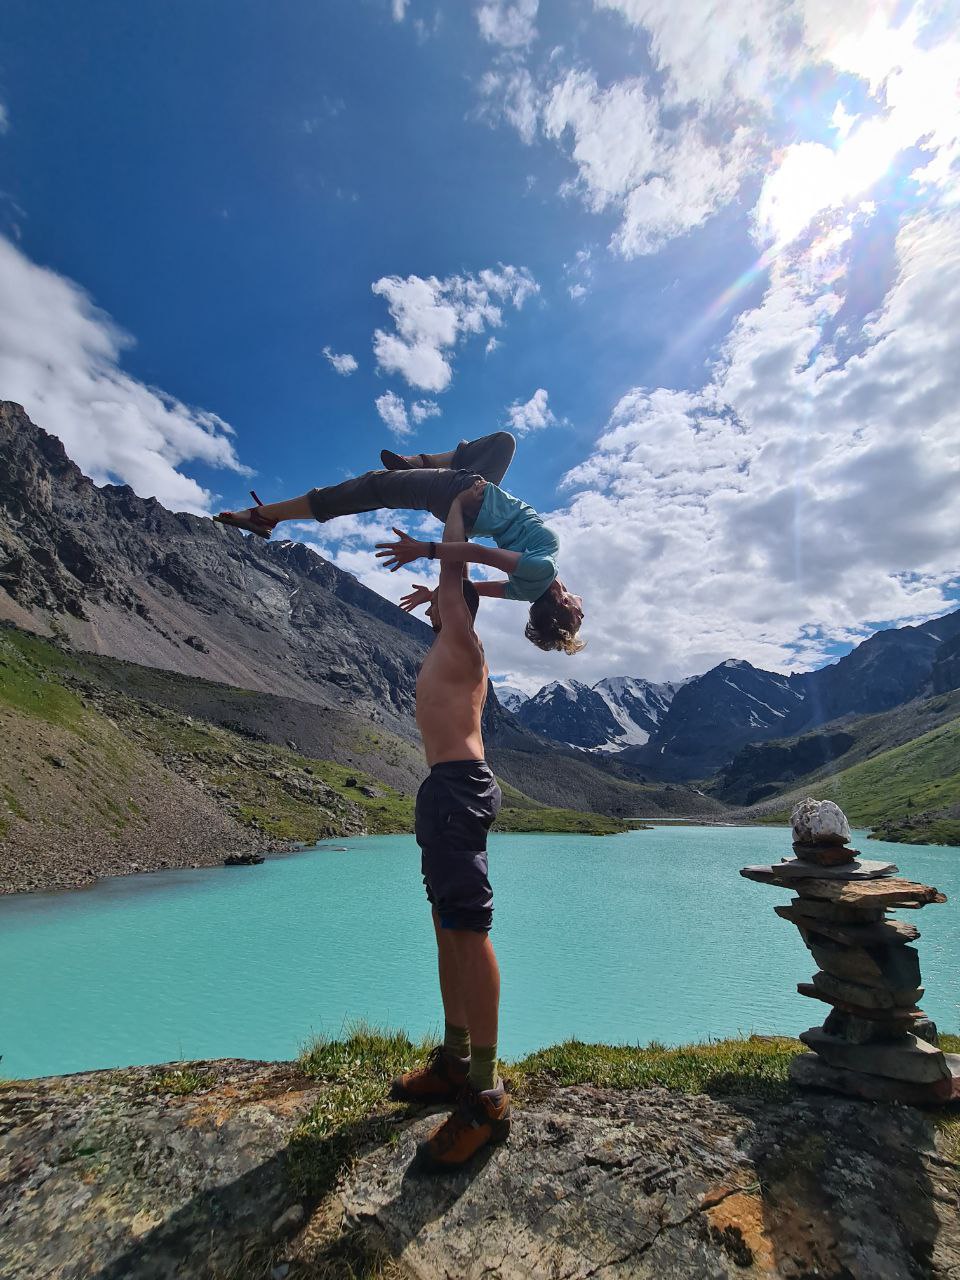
x=454, y=614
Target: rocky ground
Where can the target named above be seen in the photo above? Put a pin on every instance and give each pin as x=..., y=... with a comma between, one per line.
x=243, y=1170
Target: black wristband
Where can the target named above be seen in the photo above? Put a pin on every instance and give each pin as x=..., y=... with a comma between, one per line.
x=433, y=551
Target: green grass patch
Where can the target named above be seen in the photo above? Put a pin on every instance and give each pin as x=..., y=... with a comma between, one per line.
x=14, y=805
x=522, y=813
x=558, y=820
x=903, y=790
x=385, y=814
x=353, y=1112
x=756, y=1066
x=180, y=1081
x=28, y=681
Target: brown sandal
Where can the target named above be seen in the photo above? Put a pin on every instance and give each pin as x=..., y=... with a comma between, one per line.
x=397, y=462
x=251, y=523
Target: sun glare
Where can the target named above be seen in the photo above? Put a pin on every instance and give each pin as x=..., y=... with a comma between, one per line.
x=916, y=94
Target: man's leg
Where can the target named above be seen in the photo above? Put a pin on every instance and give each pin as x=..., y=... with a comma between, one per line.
x=477, y=998
x=483, y=1114
x=456, y=1033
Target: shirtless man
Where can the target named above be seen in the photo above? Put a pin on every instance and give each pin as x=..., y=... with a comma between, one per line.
x=456, y=805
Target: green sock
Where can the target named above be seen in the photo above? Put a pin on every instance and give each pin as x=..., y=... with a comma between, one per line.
x=483, y=1066
x=456, y=1040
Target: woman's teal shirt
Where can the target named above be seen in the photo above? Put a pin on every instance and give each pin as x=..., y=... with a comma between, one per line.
x=515, y=526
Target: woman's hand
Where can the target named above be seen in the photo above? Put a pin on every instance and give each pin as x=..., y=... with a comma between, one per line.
x=418, y=596
x=396, y=554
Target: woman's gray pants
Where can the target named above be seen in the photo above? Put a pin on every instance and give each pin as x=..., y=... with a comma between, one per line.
x=430, y=489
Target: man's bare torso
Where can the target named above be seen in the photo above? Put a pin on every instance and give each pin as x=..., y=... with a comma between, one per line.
x=451, y=691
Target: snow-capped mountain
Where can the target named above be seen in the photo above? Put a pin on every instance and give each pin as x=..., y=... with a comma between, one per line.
x=510, y=696
x=637, y=705
x=617, y=712
x=692, y=729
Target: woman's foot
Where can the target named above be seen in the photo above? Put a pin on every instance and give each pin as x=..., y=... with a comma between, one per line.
x=250, y=521
x=397, y=462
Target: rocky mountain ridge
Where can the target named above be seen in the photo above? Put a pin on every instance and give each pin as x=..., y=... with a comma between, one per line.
x=696, y=727
x=117, y=574
x=615, y=713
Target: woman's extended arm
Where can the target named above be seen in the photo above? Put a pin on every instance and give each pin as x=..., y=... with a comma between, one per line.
x=396, y=554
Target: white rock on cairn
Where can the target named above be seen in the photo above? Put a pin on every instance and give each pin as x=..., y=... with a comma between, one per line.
x=819, y=822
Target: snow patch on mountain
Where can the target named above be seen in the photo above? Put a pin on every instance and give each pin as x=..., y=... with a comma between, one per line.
x=617, y=712
x=510, y=696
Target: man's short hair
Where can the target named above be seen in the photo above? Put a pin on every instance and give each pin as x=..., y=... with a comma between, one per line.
x=472, y=596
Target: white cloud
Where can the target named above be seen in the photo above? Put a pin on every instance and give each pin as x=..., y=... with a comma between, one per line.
x=393, y=411
x=508, y=22
x=668, y=152
x=533, y=415
x=916, y=83
x=344, y=364
x=492, y=344
x=60, y=358
x=398, y=9
x=788, y=501
x=509, y=93
x=708, y=55
x=422, y=409
x=4, y=119
x=665, y=179
x=580, y=272
x=431, y=316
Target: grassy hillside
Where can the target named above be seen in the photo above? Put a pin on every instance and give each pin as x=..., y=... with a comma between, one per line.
x=768, y=769
x=551, y=778
x=910, y=793
x=95, y=781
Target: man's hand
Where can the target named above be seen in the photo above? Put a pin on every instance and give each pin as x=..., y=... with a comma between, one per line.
x=396, y=554
x=418, y=596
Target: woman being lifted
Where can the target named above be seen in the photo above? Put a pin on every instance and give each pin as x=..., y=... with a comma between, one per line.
x=526, y=549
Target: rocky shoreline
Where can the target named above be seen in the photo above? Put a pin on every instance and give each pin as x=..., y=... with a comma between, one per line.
x=151, y=1173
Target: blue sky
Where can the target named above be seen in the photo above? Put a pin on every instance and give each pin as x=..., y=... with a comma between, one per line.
x=689, y=265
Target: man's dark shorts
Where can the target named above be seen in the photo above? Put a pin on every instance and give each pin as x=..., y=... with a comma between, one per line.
x=456, y=805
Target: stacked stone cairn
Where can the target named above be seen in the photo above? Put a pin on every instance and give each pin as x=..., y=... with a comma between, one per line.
x=876, y=1042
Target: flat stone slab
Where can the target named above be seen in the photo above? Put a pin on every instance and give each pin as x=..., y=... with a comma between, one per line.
x=913, y=1060
x=895, y=967
x=819, y=909
x=891, y=1012
x=871, y=894
x=650, y=1185
x=880, y=933
x=809, y=1071
x=867, y=997
x=115, y=1175
x=791, y=869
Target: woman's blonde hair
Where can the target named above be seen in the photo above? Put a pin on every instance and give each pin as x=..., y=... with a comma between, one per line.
x=552, y=625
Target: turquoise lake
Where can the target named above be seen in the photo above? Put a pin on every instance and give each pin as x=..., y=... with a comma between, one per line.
x=626, y=939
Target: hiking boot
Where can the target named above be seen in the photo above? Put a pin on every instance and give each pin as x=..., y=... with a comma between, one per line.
x=480, y=1120
x=440, y=1079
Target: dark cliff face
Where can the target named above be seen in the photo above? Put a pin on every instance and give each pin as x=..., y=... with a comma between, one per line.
x=712, y=716
x=945, y=674
x=889, y=668
x=121, y=575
